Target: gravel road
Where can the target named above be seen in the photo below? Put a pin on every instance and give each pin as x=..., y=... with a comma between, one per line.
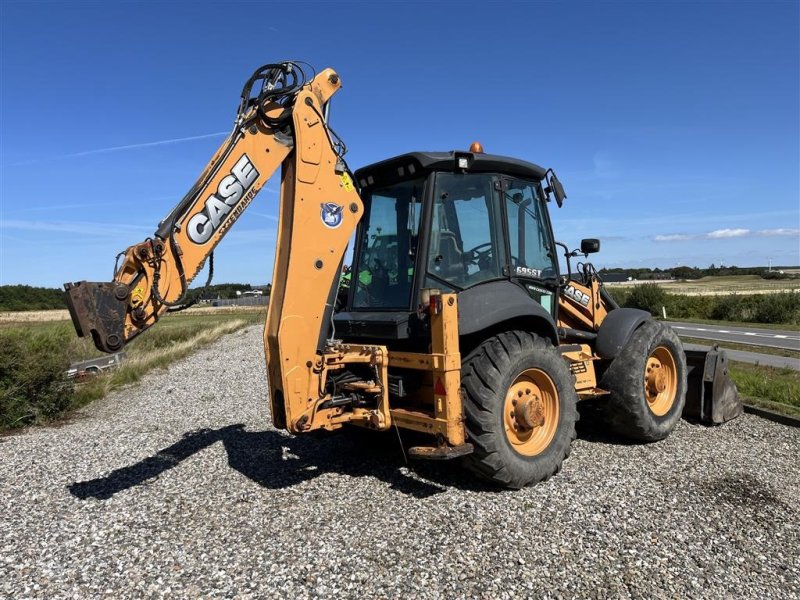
x=179, y=487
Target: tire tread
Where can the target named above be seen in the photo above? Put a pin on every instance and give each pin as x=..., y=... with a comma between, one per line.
x=483, y=372
x=626, y=412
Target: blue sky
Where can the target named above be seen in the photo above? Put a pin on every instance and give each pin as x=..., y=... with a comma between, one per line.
x=674, y=126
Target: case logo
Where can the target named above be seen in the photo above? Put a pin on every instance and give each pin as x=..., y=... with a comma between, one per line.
x=577, y=295
x=218, y=205
x=331, y=214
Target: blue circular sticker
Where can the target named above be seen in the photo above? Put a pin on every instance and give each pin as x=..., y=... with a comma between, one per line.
x=331, y=214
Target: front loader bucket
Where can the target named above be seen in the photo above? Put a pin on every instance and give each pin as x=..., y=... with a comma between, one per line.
x=711, y=395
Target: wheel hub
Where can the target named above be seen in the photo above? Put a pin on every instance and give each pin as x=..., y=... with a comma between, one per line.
x=660, y=381
x=531, y=412
x=528, y=411
x=657, y=379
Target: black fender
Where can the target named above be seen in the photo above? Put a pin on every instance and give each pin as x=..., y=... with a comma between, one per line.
x=617, y=328
x=490, y=304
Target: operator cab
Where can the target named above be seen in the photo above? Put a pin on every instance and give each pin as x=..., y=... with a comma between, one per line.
x=466, y=222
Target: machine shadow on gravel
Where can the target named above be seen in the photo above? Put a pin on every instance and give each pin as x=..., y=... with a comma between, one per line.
x=275, y=460
x=591, y=426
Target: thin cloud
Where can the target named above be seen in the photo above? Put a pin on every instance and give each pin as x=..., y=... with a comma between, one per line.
x=249, y=236
x=264, y=215
x=166, y=142
x=12, y=238
x=778, y=232
x=54, y=207
x=674, y=219
x=727, y=233
x=78, y=227
x=673, y=237
x=722, y=234
x=604, y=167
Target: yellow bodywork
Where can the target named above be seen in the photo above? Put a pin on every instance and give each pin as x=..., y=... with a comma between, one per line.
x=586, y=315
x=308, y=260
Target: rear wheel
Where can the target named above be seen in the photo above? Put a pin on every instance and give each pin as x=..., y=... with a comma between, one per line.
x=647, y=382
x=520, y=409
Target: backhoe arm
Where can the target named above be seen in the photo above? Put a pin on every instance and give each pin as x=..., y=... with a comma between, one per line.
x=315, y=382
x=282, y=126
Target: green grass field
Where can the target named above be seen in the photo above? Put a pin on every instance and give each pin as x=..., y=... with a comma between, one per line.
x=34, y=357
x=768, y=387
x=733, y=284
x=776, y=308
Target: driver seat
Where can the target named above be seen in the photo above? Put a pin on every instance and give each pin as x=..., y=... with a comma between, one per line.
x=447, y=260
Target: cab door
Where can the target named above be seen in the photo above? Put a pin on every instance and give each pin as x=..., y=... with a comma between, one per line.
x=531, y=250
x=467, y=242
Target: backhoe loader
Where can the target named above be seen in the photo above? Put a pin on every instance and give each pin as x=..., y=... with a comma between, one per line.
x=457, y=321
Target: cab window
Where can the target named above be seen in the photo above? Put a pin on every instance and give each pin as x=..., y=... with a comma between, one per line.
x=384, y=269
x=466, y=243
x=528, y=234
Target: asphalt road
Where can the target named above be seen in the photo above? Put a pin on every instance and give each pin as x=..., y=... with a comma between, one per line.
x=755, y=336
x=768, y=360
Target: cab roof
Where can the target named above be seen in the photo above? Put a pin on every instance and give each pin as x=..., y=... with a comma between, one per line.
x=416, y=164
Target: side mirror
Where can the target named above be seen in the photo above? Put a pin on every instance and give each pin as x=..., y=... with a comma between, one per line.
x=557, y=189
x=590, y=246
x=554, y=187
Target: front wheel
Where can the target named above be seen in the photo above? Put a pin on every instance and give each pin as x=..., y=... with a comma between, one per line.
x=647, y=381
x=520, y=405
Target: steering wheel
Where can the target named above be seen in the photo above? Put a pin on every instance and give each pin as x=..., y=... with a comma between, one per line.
x=380, y=270
x=371, y=300
x=478, y=256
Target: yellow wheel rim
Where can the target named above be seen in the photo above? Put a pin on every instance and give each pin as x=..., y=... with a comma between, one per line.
x=660, y=381
x=530, y=412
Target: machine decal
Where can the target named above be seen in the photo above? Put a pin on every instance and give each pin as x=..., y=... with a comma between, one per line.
x=137, y=296
x=527, y=272
x=347, y=183
x=331, y=214
x=218, y=205
x=577, y=295
x=537, y=289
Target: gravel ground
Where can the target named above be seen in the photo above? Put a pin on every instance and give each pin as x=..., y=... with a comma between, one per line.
x=180, y=487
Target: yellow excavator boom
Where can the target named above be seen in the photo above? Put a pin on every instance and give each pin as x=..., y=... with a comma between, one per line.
x=284, y=126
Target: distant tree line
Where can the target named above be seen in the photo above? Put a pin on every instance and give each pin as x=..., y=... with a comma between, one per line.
x=26, y=297
x=765, y=308
x=224, y=290
x=684, y=272
x=227, y=291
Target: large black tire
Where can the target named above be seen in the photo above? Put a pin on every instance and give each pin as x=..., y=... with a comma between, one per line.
x=628, y=411
x=487, y=376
